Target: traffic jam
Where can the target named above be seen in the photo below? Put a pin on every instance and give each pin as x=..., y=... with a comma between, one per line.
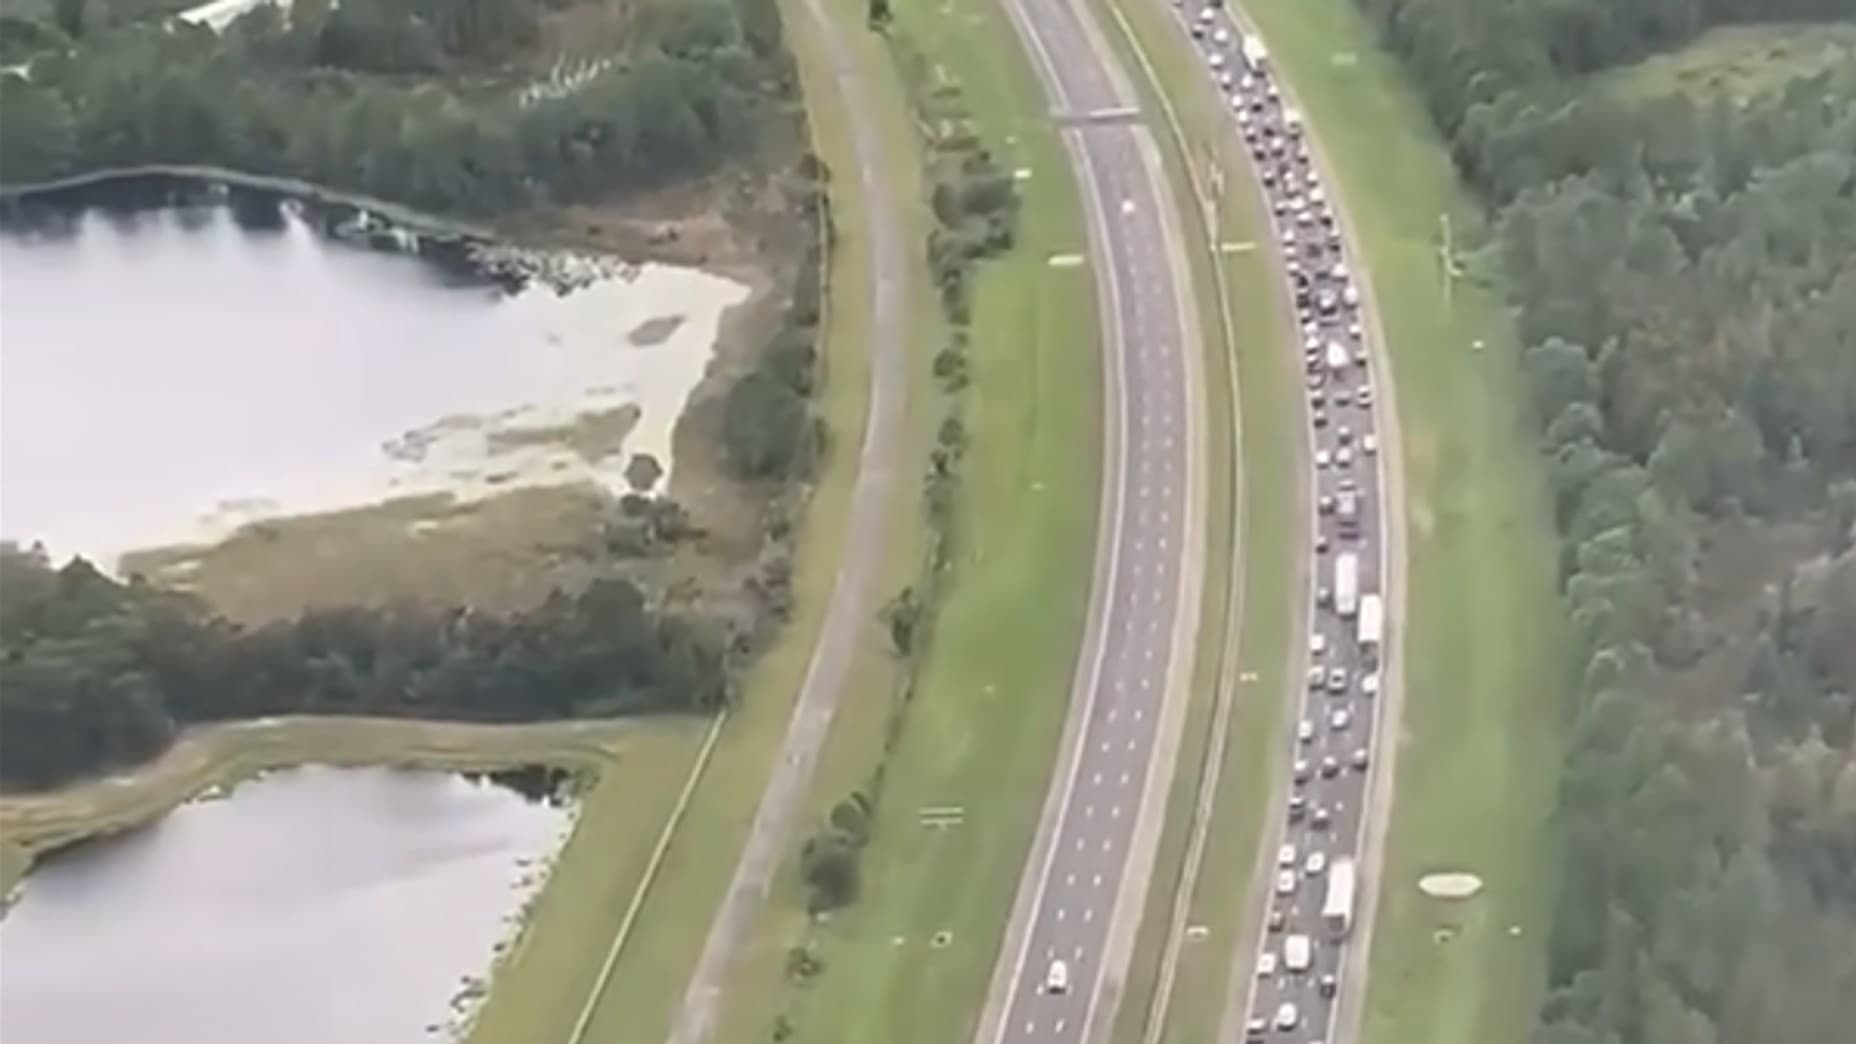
x=1315, y=883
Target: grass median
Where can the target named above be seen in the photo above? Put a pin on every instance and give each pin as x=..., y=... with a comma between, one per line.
x=911, y=959
x=1270, y=597
x=1482, y=646
x=654, y=967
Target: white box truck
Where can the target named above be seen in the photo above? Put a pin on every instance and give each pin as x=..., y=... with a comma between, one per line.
x=1255, y=55
x=1337, y=909
x=1372, y=623
x=1347, y=583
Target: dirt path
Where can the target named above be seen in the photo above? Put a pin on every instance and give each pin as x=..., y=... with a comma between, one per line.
x=853, y=599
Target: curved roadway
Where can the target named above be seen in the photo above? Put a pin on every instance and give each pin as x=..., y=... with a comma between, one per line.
x=1084, y=884
x=1338, y=792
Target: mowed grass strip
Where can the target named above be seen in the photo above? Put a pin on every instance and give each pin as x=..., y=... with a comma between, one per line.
x=983, y=726
x=1483, y=649
x=654, y=968
x=1271, y=597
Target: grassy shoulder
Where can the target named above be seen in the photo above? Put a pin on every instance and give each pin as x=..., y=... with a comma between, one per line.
x=655, y=965
x=1271, y=590
x=1479, y=748
x=911, y=959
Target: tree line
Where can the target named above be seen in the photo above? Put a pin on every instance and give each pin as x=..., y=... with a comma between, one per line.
x=394, y=99
x=1683, y=271
x=101, y=674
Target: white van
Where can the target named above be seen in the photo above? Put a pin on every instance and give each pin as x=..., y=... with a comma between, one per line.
x=1057, y=979
x=1298, y=953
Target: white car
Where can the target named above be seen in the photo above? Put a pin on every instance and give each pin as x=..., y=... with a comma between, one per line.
x=1266, y=964
x=1343, y=457
x=1285, y=882
x=1340, y=719
x=1369, y=685
x=1222, y=37
x=1317, y=864
x=1317, y=644
x=1323, y=458
x=1305, y=731
x=1285, y=856
x=1217, y=61
x=1316, y=676
x=1287, y=1018
x=1057, y=979
x=1369, y=444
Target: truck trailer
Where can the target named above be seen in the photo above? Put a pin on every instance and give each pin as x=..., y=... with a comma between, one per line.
x=1347, y=583
x=1372, y=623
x=1337, y=909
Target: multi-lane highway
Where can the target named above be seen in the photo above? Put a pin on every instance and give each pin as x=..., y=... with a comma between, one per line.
x=1298, y=984
x=1068, y=942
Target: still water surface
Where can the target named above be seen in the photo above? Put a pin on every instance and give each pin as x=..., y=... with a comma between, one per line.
x=168, y=375
x=311, y=906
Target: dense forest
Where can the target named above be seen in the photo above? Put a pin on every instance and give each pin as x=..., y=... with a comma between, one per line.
x=1683, y=269
x=101, y=674
x=407, y=100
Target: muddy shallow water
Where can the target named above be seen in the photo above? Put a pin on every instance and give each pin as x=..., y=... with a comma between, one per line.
x=172, y=374
x=310, y=906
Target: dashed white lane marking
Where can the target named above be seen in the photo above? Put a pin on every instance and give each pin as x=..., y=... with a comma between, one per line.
x=1061, y=913
x=1111, y=714
x=1137, y=715
x=1096, y=779
x=1105, y=746
x=1124, y=777
x=1089, y=914
x=1127, y=206
x=1096, y=881
x=1108, y=844
x=1059, y=1028
x=1031, y=1027
x=1089, y=811
x=1069, y=880
x=1114, y=811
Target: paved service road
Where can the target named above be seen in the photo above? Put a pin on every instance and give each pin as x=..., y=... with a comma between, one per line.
x=1335, y=790
x=1067, y=946
x=849, y=613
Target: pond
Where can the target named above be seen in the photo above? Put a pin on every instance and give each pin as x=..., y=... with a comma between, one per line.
x=174, y=373
x=309, y=906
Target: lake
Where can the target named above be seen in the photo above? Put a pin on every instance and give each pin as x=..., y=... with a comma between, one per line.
x=173, y=374
x=309, y=906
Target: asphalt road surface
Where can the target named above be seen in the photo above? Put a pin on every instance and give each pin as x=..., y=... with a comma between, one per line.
x=1067, y=946
x=1332, y=767
x=849, y=614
